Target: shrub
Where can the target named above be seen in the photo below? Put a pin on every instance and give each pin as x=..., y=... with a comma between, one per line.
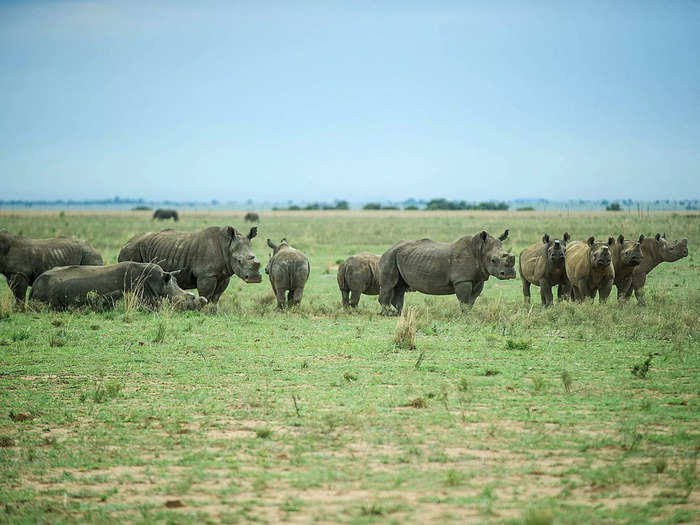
x=405, y=331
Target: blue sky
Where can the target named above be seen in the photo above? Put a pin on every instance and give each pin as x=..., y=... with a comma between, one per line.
x=353, y=100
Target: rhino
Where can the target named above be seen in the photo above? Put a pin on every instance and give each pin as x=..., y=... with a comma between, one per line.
x=288, y=269
x=22, y=260
x=655, y=250
x=589, y=268
x=440, y=268
x=74, y=286
x=162, y=214
x=358, y=275
x=542, y=264
x=207, y=258
x=626, y=256
x=251, y=216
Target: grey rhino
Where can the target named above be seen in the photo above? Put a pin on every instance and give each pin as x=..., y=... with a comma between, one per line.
x=251, y=216
x=71, y=286
x=542, y=264
x=626, y=256
x=358, y=275
x=207, y=258
x=440, y=268
x=22, y=260
x=288, y=269
x=589, y=268
x=655, y=250
x=162, y=214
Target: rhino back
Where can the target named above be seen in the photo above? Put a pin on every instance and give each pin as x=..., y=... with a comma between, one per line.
x=70, y=285
x=289, y=269
x=577, y=263
x=360, y=272
x=35, y=256
x=425, y=266
x=533, y=263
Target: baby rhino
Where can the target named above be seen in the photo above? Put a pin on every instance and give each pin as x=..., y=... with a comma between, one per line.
x=358, y=275
x=288, y=269
x=589, y=268
x=542, y=264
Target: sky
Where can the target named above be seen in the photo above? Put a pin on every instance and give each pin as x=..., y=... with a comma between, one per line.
x=364, y=101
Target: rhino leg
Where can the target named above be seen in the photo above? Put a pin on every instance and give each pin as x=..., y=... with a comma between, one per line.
x=639, y=294
x=346, y=298
x=463, y=291
x=281, y=299
x=388, y=280
x=546, y=293
x=564, y=292
x=18, y=284
x=526, y=291
x=355, y=298
x=476, y=291
x=220, y=289
x=294, y=296
x=604, y=290
x=206, y=286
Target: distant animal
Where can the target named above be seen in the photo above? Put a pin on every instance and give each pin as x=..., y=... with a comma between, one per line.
x=22, y=260
x=440, y=268
x=207, y=258
x=161, y=214
x=655, y=250
x=289, y=270
x=73, y=286
x=358, y=275
x=589, y=268
x=626, y=256
x=542, y=264
x=251, y=216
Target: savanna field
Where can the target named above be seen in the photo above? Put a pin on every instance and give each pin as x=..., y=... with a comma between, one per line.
x=507, y=413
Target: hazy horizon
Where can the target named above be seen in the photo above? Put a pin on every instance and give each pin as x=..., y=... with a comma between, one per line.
x=366, y=102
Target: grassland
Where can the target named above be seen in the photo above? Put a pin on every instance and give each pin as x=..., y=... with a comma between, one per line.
x=508, y=413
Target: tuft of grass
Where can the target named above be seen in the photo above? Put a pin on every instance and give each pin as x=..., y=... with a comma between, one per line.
x=20, y=334
x=350, y=376
x=538, y=383
x=7, y=304
x=659, y=465
x=161, y=329
x=372, y=509
x=57, y=339
x=566, y=381
x=6, y=441
x=454, y=478
x=491, y=372
x=405, y=331
x=130, y=303
x=520, y=344
x=263, y=433
x=641, y=370
x=104, y=391
x=418, y=402
x=538, y=516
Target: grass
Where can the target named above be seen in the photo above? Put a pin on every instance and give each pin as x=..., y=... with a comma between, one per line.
x=505, y=413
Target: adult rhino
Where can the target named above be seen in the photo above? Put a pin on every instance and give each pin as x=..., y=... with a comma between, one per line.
x=207, y=258
x=22, y=260
x=289, y=270
x=73, y=286
x=589, y=268
x=162, y=214
x=655, y=250
x=542, y=264
x=251, y=216
x=440, y=268
x=626, y=256
x=358, y=275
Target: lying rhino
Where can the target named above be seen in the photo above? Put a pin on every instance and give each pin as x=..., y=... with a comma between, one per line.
x=161, y=214
x=207, y=258
x=358, y=275
x=440, y=268
x=288, y=269
x=542, y=264
x=71, y=286
x=589, y=268
x=626, y=256
x=655, y=250
x=22, y=260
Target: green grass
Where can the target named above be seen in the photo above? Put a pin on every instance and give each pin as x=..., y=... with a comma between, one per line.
x=507, y=413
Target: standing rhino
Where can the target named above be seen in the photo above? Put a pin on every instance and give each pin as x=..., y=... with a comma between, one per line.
x=251, y=216
x=207, y=258
x=440, y=268
x=288, y=269
x=161, y=214
x=542, y=264
x=626, y=256
x=655, y=250
x=358, y=275
x=22, y=260
x=68, y=286
x=589, y=268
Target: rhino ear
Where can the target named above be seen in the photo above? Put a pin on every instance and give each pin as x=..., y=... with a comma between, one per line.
x=503, y=236
x=664, y=235
x=230, y=230
x=166, y=277
x=621, y=239
x=545, y=238
x=483, y=236
x=253, y=232
x=641, y=238
x=566, y=237
x=611, y=241
x=658, y=237
x=590, y=240
x=271, y=244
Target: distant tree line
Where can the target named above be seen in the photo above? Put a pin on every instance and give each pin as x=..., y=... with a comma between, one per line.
x=337, y=205
x=444, y=204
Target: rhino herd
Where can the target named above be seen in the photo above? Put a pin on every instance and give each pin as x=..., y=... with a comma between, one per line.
x=64, y=272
